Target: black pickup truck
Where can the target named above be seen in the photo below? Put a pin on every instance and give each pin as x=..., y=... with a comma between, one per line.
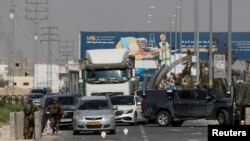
x=173, y=108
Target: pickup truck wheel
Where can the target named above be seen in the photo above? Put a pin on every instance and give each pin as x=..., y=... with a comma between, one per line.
x=163, y=118
x=223, y=117
x=177, y=123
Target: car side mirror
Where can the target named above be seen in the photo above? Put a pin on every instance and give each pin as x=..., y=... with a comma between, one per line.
x=209, y=98
x=115, y=107
x=138, y=103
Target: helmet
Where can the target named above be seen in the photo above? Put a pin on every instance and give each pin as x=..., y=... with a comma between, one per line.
x=55, y=100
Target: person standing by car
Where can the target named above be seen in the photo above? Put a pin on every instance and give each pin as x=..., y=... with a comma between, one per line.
x=56, y=113
x=29, y=110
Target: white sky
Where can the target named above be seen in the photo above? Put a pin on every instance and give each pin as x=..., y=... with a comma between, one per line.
x=73, y=16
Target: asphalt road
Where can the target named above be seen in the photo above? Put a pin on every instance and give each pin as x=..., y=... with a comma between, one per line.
x=190, y=131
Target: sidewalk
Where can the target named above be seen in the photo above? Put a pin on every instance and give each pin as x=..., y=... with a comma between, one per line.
x=5, y=134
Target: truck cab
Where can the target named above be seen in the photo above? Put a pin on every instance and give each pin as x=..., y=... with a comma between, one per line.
x=108, y=72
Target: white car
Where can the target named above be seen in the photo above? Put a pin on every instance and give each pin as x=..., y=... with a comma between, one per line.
x=129, y=109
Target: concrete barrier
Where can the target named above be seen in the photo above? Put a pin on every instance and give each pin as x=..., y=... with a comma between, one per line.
x=38, y=125
x=13, y=126
x=16, y=125
x=19, y=125
x=247, y=116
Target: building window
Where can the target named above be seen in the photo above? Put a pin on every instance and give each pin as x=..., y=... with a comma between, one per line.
x=26, y=83
x=17, y=64
x=14, y=83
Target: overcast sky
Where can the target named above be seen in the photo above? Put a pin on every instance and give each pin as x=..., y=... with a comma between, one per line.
x=73, y=16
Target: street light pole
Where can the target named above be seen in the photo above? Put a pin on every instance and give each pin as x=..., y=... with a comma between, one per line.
x=210, y=43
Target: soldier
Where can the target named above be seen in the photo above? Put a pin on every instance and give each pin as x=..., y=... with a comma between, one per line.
x=29, y=110
x=56, y=113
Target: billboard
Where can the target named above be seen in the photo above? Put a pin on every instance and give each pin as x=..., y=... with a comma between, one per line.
x=219, y=66
x=153, y=45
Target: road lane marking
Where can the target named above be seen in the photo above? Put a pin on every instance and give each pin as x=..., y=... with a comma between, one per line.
x=143, y=133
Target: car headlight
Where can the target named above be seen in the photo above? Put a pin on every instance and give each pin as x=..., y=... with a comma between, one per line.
x=110, y=116
x=128, y=111
x=78, y=117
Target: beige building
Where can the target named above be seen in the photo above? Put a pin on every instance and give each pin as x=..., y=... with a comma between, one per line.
x=25, y=82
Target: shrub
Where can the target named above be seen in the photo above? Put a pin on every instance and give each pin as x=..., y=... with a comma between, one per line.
x=5, y=110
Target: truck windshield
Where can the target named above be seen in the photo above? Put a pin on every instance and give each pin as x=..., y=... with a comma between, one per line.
x=106, y=76
x=94, y=105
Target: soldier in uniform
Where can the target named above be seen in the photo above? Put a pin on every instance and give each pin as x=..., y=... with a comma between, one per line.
x=29, y=110
x=56, y=113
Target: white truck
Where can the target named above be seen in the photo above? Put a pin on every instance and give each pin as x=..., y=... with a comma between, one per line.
x=108, y=72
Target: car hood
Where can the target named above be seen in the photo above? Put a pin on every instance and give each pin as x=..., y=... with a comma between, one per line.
x=223, y=100
x=125, y=107
x=89, y=113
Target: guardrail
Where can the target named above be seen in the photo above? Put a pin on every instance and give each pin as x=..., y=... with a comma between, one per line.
x=12, y=99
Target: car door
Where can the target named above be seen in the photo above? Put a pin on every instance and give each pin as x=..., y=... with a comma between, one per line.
x=182, y=103
x=199, y=104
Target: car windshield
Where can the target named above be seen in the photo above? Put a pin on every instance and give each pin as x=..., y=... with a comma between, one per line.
x=122, y=100
x=62, y=100
x=94, y=105
x=35, y=96
x=216, y=93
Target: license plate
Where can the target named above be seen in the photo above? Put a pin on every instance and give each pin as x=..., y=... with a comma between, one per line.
x=66, y=120
x=94, y=123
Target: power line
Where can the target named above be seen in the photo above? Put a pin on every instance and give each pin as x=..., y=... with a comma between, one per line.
x=35, y=12
x=66, y=50
x=49, y=35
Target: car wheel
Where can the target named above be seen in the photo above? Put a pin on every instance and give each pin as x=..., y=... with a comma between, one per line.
x=112, y=131
x=135, y=120
x=75, y=132
x=177, y=123
x=223, y=117
x=163, y=118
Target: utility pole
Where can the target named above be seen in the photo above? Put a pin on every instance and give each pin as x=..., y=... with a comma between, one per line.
x=170, y=37
x=66, y=49
x=180, y=25
x=49, y=35
x=11, y=48
x=36, y=12
x=176, y=37
x=196, y=38
x=210, y=43
x=229, y=61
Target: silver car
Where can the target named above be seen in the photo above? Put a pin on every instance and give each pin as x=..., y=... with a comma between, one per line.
x=36, y=97
x=94, y=113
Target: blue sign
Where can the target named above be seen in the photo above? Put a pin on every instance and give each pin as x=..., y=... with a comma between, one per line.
x=145, y=45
